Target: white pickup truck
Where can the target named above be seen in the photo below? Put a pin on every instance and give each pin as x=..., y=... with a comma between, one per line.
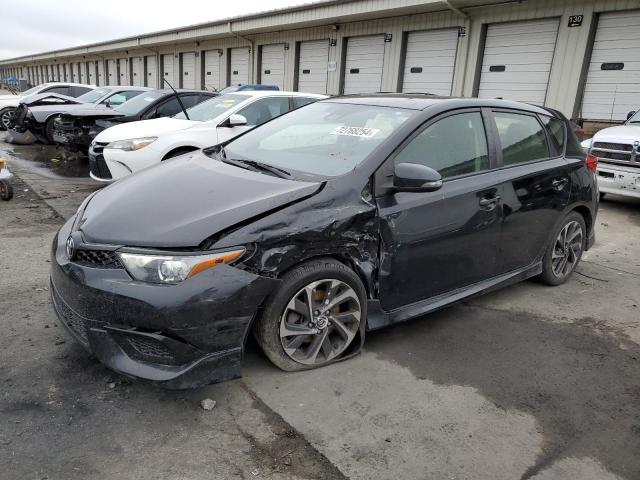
x=618, y=152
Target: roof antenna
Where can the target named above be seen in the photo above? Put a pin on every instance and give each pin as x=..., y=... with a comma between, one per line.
x=184, y=110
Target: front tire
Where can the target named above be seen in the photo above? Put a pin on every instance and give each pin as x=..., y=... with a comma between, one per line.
x=565, y=250
x=314, y=317
x=48, y=131
x=6, y=117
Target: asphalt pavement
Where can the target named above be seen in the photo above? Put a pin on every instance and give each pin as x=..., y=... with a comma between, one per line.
x=528, y=382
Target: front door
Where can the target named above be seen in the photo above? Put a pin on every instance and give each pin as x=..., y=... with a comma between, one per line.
x=436, y=242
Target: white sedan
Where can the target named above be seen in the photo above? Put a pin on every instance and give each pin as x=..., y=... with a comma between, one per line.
x=123, y=149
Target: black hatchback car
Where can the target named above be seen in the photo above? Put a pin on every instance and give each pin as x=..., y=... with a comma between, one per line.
x=343, y=216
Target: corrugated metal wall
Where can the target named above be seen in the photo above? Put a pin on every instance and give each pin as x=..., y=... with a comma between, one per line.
x=566, y=80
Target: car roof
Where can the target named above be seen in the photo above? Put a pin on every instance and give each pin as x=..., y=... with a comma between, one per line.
x=420, y=101
x=71, y=84
x=275, y=93
x=125, y=87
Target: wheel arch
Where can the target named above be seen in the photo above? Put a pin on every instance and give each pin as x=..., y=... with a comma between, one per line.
x=181, y=150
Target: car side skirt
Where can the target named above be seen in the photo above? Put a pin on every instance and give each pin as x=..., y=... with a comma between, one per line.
x=379, y=318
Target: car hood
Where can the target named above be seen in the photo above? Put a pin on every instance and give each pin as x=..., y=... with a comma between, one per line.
x=184, y=201
x=144, y=128
x=620, y=134
x=11, y=101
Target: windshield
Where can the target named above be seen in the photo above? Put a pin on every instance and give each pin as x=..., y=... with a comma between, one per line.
x=139, y=103
x=94, y=95
x=635, y=119
x=323, y=138
x=31, y=90
x=212, y=108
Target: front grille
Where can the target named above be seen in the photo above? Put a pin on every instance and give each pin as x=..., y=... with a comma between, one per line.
x=614, y=156
x=74, y=321
x=98, y=258
x=150, y=348
x=616, y=153
x=98, y=166
x=613, y=146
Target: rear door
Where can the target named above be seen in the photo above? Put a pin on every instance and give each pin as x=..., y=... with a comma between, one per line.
x=437, y=242
x=535, y=184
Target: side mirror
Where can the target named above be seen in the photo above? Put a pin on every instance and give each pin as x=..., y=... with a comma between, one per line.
x=631, y=114
x=413, y=177
x=107, y=103
x=235, y=120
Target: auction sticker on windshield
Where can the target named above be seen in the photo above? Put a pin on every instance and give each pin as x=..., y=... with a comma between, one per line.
x=355, y=131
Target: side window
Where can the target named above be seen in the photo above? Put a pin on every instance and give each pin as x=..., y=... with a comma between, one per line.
x=522, y=138
x=455, y=145
x=302, y=101
x=168, y=108
x=61, y=90
x=189, y=100
x=557, y=133
x=263, y=110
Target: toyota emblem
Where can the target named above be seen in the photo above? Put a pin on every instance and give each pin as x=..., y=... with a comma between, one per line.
x=71, y=247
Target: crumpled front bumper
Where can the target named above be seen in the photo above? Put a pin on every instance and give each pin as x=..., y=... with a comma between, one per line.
x=178, y=336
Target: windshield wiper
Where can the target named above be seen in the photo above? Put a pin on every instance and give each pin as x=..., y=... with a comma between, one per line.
x=278, y=172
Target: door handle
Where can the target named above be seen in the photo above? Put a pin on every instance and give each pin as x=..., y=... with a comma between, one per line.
x=488, y=201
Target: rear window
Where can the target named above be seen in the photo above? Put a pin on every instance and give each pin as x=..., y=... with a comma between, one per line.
x=557, y=133
x=139, y=103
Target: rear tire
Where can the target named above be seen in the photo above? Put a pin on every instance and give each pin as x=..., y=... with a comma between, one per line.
x=6, y=191
x=565, y=250
x=317, y=337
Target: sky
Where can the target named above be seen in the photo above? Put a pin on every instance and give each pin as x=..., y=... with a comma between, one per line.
x=33, y=26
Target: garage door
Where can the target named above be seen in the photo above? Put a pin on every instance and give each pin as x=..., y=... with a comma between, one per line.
x=363, y=67
x=188, y=74
x=517, y=60
x=136, y=71
x=112, y=73
x=430, y=60
x=101, y=80
x=272, y=65
x=123, y=72
x=211, y=71
x=152, y=72
x=312, y=66
x=167, y=70
x=76, y=73
x=613, y=78
x=239, y=63
x=92, y=73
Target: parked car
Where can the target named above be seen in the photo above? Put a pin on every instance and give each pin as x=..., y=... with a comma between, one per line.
x=344, y=216
x=35, y=115
x=618, y=152
x=243, y=87
x=9, y=103
x=75, y=130
x=123, y=149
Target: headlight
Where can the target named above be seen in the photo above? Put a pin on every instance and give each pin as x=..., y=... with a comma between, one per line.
x=131, y=144
x=172, y=269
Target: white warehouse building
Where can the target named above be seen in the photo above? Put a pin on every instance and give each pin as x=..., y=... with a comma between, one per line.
x=581, y=57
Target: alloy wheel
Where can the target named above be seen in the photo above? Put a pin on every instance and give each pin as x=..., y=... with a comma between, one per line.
x=320, y=322
x=6, y=119
x=567, y=249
